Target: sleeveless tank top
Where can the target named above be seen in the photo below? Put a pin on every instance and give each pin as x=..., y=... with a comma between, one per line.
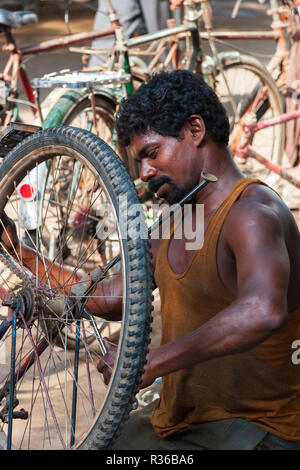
x=261, y=386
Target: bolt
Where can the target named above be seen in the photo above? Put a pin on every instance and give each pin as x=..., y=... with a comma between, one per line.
x=9, y=303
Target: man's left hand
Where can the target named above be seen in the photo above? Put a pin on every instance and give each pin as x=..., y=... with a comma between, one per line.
x=106, y=363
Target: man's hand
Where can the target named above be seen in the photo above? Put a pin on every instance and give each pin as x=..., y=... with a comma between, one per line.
x=106, y=364
x=149, y=376
x=8, y=233
x=175, y=4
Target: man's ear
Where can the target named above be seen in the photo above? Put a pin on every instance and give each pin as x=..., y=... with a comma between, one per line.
x=196, y=129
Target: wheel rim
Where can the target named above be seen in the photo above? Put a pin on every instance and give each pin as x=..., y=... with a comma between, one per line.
x=242, y=80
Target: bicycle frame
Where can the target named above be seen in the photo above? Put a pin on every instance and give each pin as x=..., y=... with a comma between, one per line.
x=15, y=70
x=18, y=305
x=244, y=150
x=280, y=23
x=8, y=390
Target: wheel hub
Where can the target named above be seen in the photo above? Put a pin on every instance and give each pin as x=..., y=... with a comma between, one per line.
x=22, y=302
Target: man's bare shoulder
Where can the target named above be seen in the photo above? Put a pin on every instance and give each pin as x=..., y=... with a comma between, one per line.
x=262, y=209
x=262, y=194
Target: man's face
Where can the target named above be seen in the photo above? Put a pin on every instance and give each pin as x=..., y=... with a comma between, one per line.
x=170, y=166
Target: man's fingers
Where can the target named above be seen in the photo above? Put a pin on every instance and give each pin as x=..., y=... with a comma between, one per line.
x=105, y=370
x=106, y=363
x=106, y=376
x=100, y=366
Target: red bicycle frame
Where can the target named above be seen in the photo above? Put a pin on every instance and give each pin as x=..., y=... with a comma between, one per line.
x=244, y=150
x=14, y=70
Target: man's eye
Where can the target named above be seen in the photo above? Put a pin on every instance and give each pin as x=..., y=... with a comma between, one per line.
x=152, y=154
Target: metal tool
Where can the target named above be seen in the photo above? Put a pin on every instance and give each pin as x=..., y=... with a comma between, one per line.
x=206, y=178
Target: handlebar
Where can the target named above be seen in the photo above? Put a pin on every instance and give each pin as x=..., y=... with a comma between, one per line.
x=274, y=6
x=237, y=5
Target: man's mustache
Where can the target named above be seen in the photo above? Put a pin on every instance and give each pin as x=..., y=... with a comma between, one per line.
x=154, y=185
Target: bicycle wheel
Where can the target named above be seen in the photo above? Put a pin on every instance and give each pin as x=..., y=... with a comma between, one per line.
x=58, y=392
x=246, y=86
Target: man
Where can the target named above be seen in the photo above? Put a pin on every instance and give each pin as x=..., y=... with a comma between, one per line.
x=230, y=310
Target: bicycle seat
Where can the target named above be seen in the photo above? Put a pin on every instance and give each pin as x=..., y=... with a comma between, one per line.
x=16, y=18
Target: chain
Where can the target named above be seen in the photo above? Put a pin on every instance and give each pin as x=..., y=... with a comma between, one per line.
x=31, y=281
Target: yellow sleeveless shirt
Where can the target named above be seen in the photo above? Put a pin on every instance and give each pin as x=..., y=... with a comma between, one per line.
x=261, y=386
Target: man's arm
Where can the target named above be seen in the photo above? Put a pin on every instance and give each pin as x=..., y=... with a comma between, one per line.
x=257, y=242
x=105, y=301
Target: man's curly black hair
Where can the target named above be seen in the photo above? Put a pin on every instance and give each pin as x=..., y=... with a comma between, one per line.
x=165, y=104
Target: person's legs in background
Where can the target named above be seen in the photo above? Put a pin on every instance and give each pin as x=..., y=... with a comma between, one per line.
x=130, y=12
x=156, y=16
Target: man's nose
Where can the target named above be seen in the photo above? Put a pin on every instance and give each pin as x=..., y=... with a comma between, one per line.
x=147, y=171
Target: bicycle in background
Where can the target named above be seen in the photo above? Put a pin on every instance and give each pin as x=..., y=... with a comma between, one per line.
x=14, y=72
x=92, y=98
x=240, y=80
x=285, y=27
